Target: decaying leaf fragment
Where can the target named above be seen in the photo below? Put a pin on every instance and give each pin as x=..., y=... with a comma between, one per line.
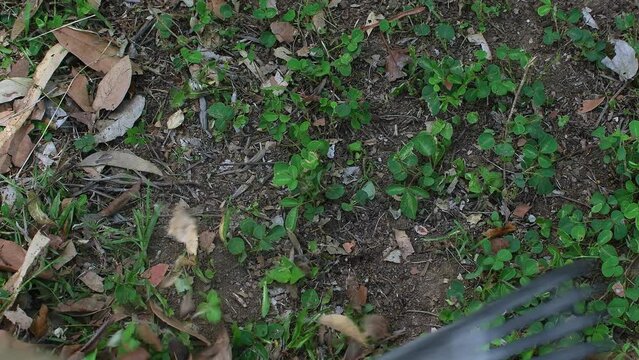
x=183, y=228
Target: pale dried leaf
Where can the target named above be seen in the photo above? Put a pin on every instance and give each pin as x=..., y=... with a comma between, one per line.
x=403, y=241
x=588, y=19
x=624, y=63
x=319, y=20
x=183, y=228
x=13, y=88
x=79, y=92
x=372, y=19
x=68, y=254
x=207, y=239
x=282, y=53
x=283, y=31
x=113, y=87
x=19, y=318
x=120, y=120
x=521, y=210
x=93, y=303
x=479, y=39
x=176, y=119
x=29, y=9
x=345, y=326
x=394, y=256
x=93, y=51
x=93, y=281
x=395, y=62
x=35, y=211
x=120, y=159
x=590, y=104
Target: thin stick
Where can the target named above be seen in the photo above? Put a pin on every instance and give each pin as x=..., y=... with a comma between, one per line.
x=605, y=109
x=63, y=26
x=521, y=85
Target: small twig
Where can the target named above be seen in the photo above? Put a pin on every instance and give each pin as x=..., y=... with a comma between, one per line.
x=521, y=85
x=423, y=312
x=605, y=109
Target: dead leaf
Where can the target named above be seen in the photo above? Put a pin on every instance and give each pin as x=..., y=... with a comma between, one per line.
x=501, y=231
x=121, y=201
x=21, y=146
x=372, y=21
x=215, y=6
x=333, y=4
x=521, y=210
x=283, y=31
x=29, y=9
x=403, y=241
x=220, y=350
x=498, y=243
x=95, y=52
x=282, y=53
x=43, y=73
x=177, y=324
x=148, y=336
x=120, y=159
x=207, y=239
x=19, y=318
x=319, y=20
x=345, y=326
x=187, y=305
x=13, y=285
x=402, y=14
x=375, y=327
x=86, y=118
x=588, y=19
x=78, y=91
x=93, y=303
x=479, y=39
x=176, y=119
x=589, y=105
x=357, y=293
x=618, y=289
x=624, y=63
x=93, y=281
x=11, y=256
x=394, y=256
x=113, y=87
x=36, y=213
x=348, y=246
x=120, y=120
x=40, y=325
x=183, y=228
x=421, y=230
x=13, y=88
x=20, y=68
x=68, y=254
x=137, y=354
x=156, y=273
x=395, y=62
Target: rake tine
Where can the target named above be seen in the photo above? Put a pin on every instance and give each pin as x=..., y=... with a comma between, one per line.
x=575, y=352
x=568, y=327
x=544, y=310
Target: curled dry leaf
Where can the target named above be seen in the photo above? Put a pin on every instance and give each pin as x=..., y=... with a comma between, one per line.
x=113, y=87
x=403, y=241
x=40, y=325
x=479, y=39
x=176, y=323
x=13, y=88
x=176, y=119
x=521, y=210
x=89, y=304
x=345, y=326
x=395, y=62
x=95, y=52
x=121, y=120
x=624, y=63
x=93, y=281
x=183, y=228
x=501, y=231
x=283, y=31
x=589, y=105
x=120, y=159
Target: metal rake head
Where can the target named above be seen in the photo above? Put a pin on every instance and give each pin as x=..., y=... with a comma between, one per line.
x=470, y=338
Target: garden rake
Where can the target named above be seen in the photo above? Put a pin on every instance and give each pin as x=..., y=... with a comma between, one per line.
x=469, y=338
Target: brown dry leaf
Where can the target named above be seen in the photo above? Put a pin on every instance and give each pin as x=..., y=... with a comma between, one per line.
x=348, y=246
x=176, y=323
x=86, y=118
x=40, y=325
x=19, y=318
x=589, y=105
x=395, y=62
x=30, y=8
x=11, y=256
x=148, y=336
x=156, y=273
x=119, y=159
x=43, y=73
x=93, y=281
x=220, y=350
x=375, y=327
x=283, y=31
x=207, y=239
x=187, y=305
x=521, y=210
x=357, y=293
x=95, y=52
x=93, y=303
x=319, y=20
x=36, y=246
x=176, y=119
x=137, y=354
x=183, y=228
x=20, y=68
x=215, y=6
x=344, y=325
x=498, y=243
x=501, y=231
x=79, y=92
x=68, y=254
x=121, y=201
x=113, y=87
x=21, y=146
x=403, y=241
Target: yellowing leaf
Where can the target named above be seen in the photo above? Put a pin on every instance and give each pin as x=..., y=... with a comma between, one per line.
x=114, y=86
x=344, y=325
x=33, y=206
x=176, y=119
x=183, y=228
